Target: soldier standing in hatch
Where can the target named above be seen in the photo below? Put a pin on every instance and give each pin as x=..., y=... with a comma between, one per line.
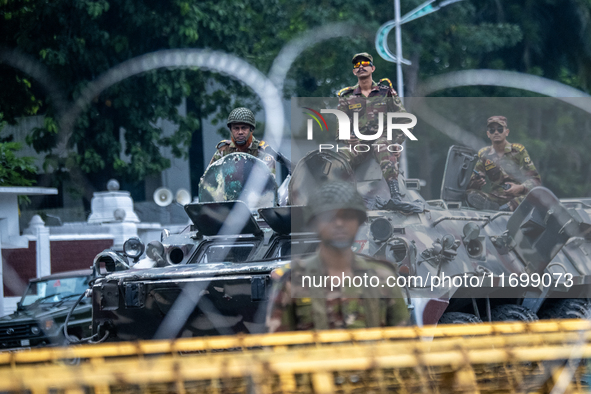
x=241, y=123
x=508, y=167
x=369, y=98
x=336, y=211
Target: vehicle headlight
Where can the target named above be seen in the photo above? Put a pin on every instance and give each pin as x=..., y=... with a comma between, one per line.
x=133, y=248
x=47, y=326
x=35, y=330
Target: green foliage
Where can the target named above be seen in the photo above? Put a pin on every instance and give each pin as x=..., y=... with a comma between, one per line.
x=15, y=170
x=120, y=134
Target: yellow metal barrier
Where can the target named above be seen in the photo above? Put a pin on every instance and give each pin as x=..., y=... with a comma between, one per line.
x=486, y=358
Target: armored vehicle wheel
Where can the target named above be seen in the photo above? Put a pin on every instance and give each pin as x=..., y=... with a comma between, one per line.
x=459, y=318
x=570, y=308
x=511, y=312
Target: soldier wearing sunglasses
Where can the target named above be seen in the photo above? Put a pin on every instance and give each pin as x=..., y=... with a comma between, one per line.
x=507, y=166
x=369, y=98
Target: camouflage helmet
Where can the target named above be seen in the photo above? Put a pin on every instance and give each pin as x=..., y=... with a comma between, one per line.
x=241, y=115
x=335, y=195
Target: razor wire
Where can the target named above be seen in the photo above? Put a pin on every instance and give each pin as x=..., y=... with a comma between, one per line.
x=293, y=49
x=506, y=79
x=267, y=88
x=30, y=66
x=215, y=61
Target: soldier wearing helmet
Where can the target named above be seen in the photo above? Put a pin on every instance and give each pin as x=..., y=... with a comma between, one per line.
x=241, y=123
x=507, y=166
x=368, y=99
x=335, y=211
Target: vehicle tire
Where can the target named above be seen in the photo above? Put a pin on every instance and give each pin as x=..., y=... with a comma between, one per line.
x=459, y=318
x=569, y=308
x=510, y=312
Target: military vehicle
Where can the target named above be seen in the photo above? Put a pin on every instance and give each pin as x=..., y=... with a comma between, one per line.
x=223, y=263
x=42, y=311
x=544, y=239
x=215, y=278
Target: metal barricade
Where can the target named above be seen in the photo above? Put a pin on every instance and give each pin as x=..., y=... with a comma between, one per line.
x=485, y=358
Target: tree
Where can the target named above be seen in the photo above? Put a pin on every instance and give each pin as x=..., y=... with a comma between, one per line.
x=79, y=41
x=15, y=170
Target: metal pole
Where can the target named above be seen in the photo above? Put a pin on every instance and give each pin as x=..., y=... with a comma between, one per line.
x=399, y=82
x=402, y=165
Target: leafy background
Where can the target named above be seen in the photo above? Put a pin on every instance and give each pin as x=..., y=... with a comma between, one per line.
x=79, y=40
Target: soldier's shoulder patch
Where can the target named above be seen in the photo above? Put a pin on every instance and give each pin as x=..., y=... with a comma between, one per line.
x=222, y=144
x=267, y=158
x=385, y=82
x=263, y=145
x=527, y=160
x=481, y=151
x=346, y=90
x=489, y=164
x=518, y=147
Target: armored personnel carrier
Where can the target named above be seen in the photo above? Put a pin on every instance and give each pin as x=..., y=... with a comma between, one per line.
x=212, y=279
x=512, y=265
x=456, y=264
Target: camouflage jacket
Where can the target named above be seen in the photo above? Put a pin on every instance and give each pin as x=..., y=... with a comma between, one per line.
x=514, y=166
x=256, y=148
x=382, y=98
x=294, y=307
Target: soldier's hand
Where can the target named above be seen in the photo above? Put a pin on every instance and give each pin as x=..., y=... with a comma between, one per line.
x=515, y=189
x=352, y=140
x=480, y=181
x=398, y=151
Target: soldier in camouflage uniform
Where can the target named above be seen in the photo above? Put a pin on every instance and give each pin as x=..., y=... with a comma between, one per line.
x=507, y=166
x=241, y=123
x=368, y=99
x=336, y=210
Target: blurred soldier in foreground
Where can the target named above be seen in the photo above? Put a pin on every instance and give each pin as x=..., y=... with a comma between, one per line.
x=369, y=98
x=508, y=167
x=336, y=210
x=241, y=124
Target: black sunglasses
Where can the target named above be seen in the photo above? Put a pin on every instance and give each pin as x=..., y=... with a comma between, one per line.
x=492, y=130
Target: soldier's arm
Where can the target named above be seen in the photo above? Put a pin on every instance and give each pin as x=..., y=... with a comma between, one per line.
x=395, y=105
x=276, y=155
x=473, y=184
x=530, y=171
x=216, y=156
x=219, y=153
x=397, y=312
x=280, y=311
x=269, y=161
x=344, y=107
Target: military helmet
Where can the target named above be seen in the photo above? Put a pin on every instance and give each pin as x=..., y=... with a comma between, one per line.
x=335, y=195
x=241, y=115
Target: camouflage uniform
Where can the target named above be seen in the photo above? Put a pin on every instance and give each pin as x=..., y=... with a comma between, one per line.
x=382, y=98
x=317, y=308
x=256, y=148
x=514, y=166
